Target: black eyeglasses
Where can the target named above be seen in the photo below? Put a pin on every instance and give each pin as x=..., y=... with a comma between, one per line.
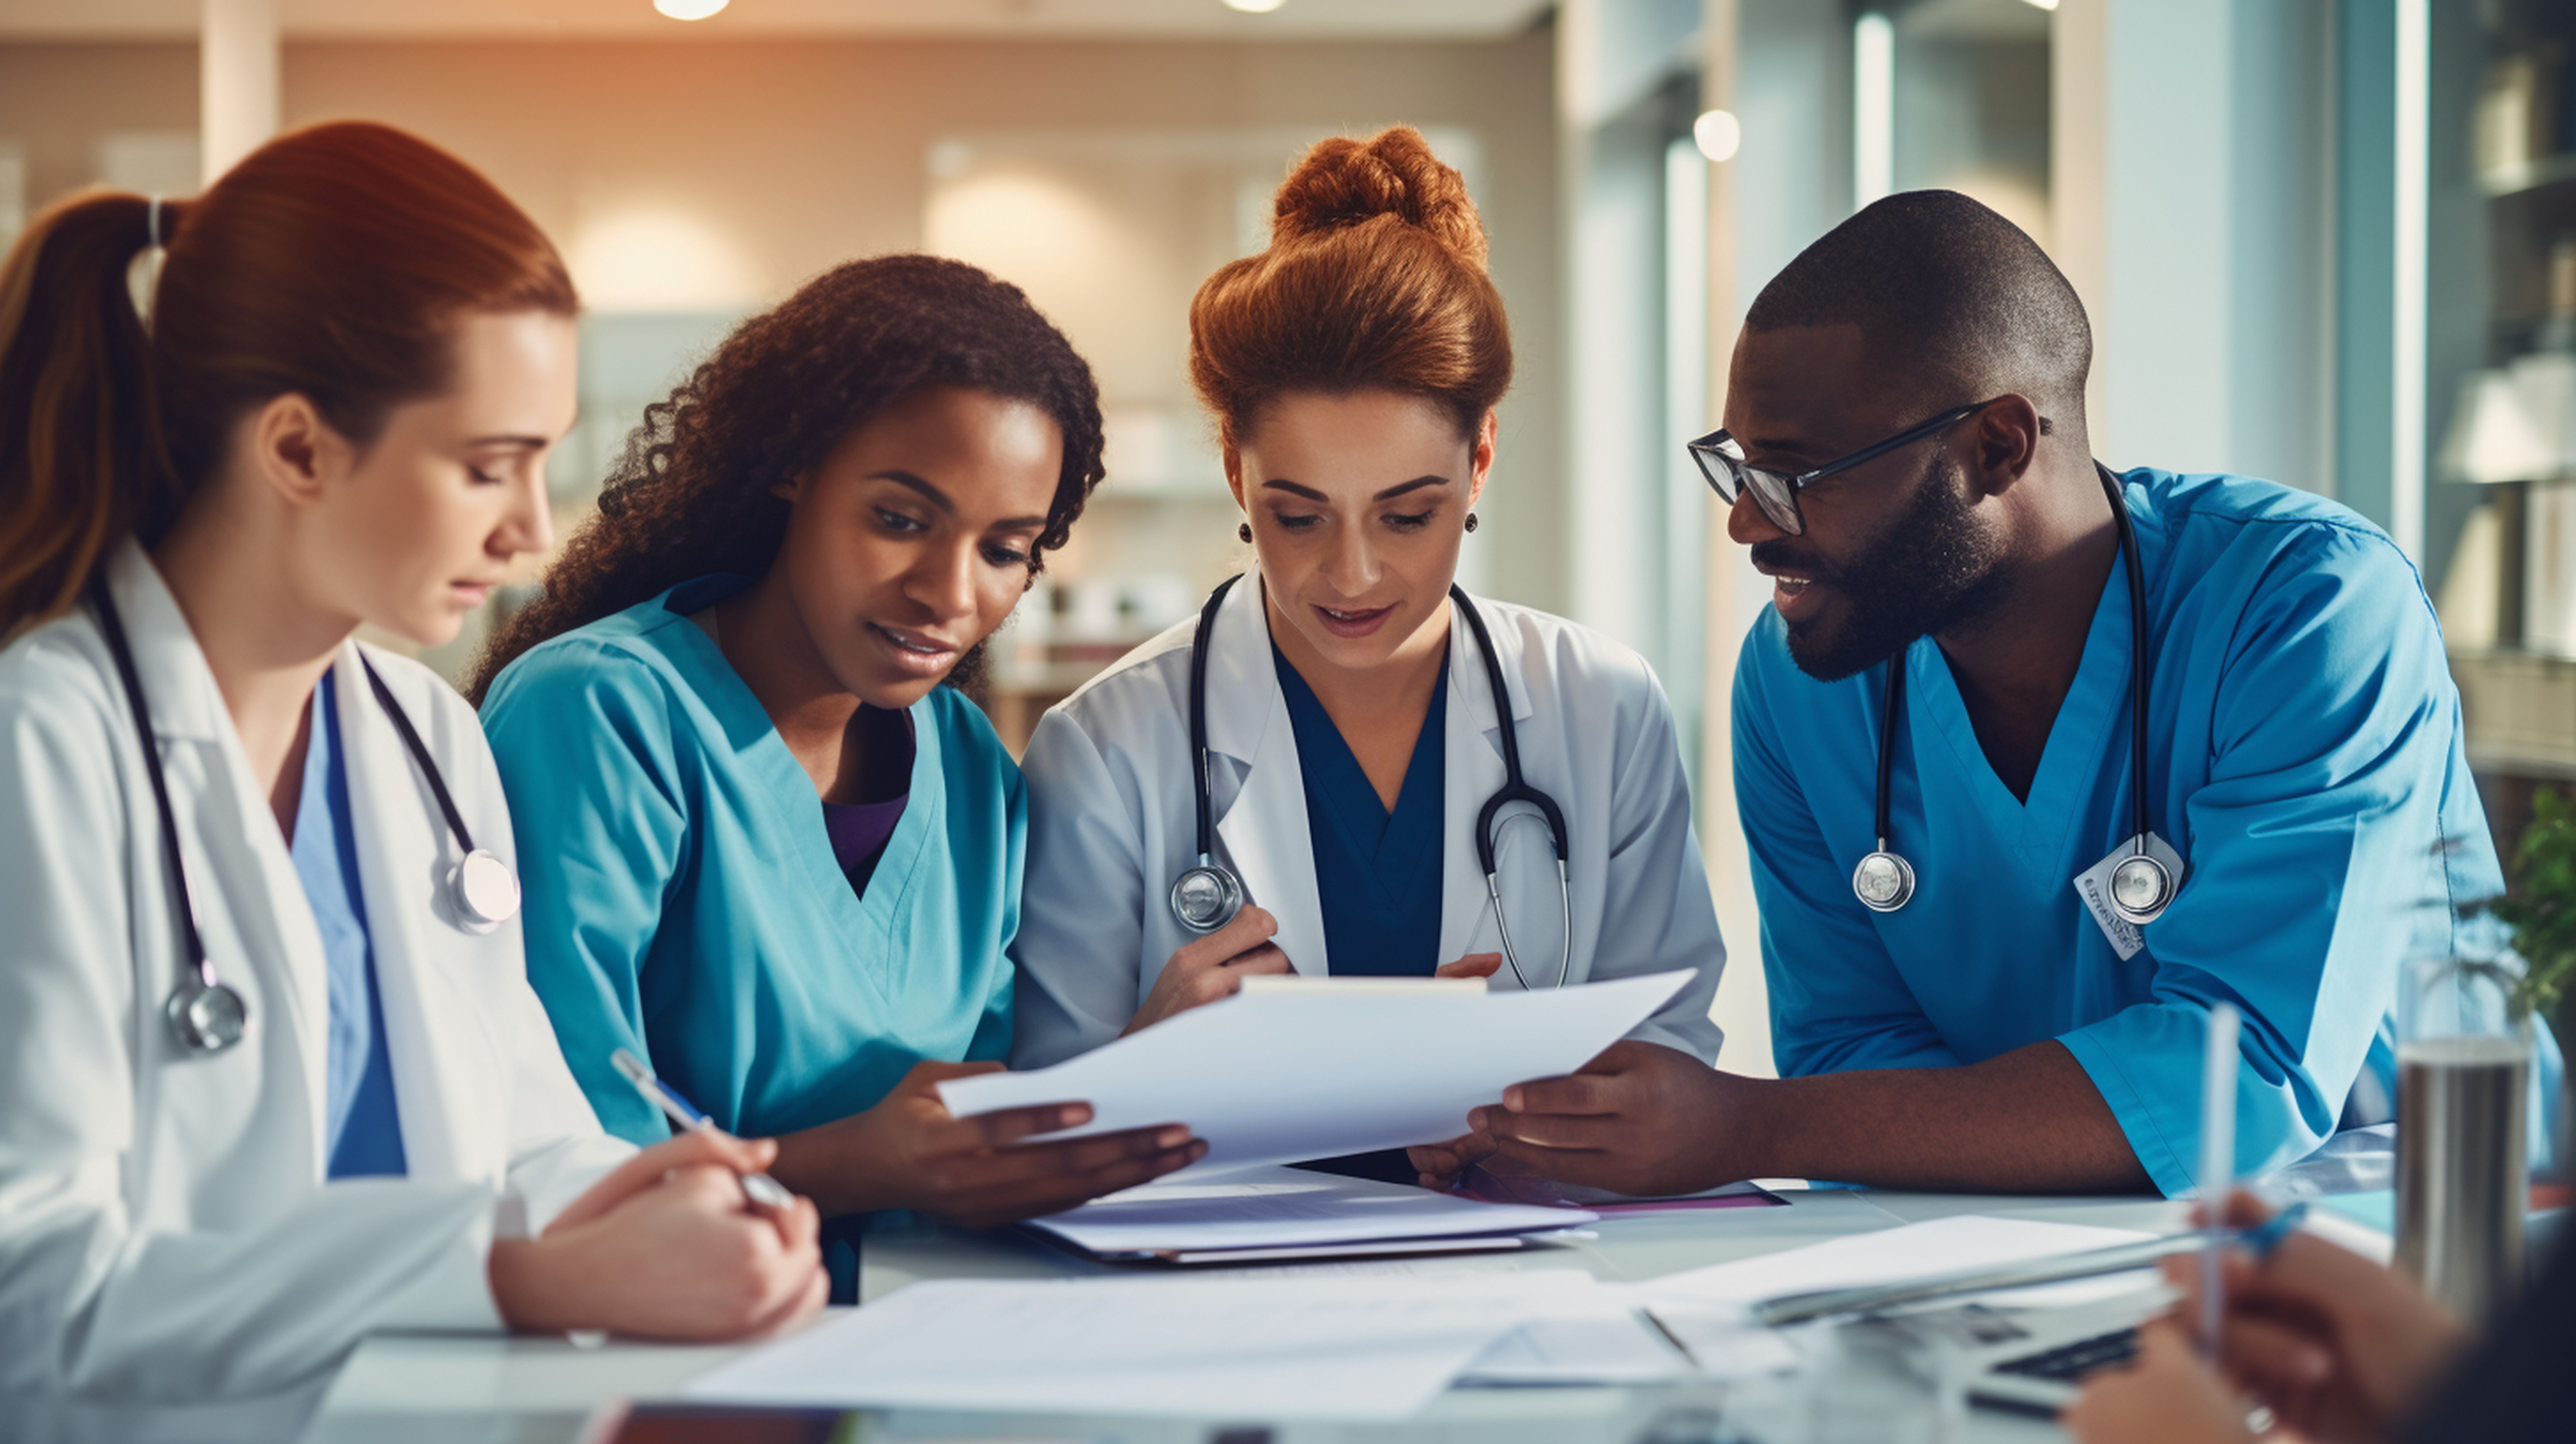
x=1721, y=460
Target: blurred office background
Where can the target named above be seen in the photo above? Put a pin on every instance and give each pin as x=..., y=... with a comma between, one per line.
x=2331, y=242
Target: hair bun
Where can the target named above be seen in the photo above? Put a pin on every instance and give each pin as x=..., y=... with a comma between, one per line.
x=1344, y=182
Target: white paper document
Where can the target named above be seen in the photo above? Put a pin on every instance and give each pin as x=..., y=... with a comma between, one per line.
x=1279, y=1207
x=1332, y=1348
x=1625, y=1345
x=1285, y=1075
x=1888, y=1256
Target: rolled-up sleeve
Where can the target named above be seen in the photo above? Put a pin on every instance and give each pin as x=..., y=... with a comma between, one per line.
x=2329, y=843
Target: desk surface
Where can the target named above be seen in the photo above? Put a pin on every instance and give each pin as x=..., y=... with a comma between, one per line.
x=403, y=1388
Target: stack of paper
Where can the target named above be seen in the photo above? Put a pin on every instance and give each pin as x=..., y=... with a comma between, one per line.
x=1340, y=1347
x=1276, y=1210
x=1407, y=1066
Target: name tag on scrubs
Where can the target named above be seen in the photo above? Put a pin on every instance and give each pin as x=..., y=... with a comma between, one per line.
x=2094, y=886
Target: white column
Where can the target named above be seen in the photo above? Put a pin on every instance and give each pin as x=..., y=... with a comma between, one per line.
x=236, y=81
x=2191, y=157
x=2413, y=242
x=2079, y=219
x=1873, y=107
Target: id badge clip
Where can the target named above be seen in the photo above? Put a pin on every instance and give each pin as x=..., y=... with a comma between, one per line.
x=2130, y=889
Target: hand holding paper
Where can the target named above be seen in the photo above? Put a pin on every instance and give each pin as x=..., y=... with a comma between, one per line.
x=1287, y=1074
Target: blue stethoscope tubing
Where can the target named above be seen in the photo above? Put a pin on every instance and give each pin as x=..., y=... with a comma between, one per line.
x=2141, y=885
x=1207, y=894
x=206, y=1014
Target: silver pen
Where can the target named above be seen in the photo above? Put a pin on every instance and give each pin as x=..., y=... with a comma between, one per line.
x=760, y=1188
x=2092, y=1263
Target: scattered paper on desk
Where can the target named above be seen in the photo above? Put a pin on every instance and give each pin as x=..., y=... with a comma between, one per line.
x=1278, y=1207
x=1334, y=1348
x=1620, y=1345
x=1614, y=1346
x=1916, y=1250
x=1407, y=1066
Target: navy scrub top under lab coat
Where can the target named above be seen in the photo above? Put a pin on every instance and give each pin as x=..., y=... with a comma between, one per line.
x=1377, y=874
x=2305, y=757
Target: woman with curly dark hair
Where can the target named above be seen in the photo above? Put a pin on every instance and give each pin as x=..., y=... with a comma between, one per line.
x=765, y=849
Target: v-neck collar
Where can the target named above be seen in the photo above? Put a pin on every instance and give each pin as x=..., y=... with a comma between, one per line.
x=787, y=793
x=1393, y=844
x=2036, y=829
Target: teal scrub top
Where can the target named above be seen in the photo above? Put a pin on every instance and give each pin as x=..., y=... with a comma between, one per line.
x=2304, y=756
x=684, y=900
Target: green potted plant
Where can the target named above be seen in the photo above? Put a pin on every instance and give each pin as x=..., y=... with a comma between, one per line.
x=2541, y=908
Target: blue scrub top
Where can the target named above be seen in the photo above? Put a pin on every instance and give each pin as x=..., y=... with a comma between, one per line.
x=684, y=899
x=2305, y=757
x=1377, y=873
x=361, y=1128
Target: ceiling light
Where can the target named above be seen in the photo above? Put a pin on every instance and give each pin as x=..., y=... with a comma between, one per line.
x=688, y=9
x=1254, y=7
x=2041, y=4
x=1717, y=133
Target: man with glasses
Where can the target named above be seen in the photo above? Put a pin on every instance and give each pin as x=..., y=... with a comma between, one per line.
x=1990, y=966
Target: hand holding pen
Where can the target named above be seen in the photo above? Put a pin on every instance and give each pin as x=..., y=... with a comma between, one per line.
x=760, y=1188
x=2338, y=1347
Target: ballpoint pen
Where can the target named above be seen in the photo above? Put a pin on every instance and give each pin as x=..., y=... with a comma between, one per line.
x=2217, y=1161
x=760, y=1188
x=2259, y=1241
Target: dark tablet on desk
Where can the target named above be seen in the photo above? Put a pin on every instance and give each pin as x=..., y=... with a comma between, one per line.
x=619, y=1422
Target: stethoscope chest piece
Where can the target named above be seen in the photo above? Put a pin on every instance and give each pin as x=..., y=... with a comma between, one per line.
x=1205, y=897
x=1883, y=881
x=2141, y=886
x=206, y=1018
x=484, y=890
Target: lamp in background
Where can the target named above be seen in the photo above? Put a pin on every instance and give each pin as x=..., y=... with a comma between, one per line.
x=1718, y=134
x=1254, y=7
x=689, y=9
x=2041, y=4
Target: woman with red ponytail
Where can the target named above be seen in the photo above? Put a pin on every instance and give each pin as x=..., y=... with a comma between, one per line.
x=271, y=1075
x=1357, y=712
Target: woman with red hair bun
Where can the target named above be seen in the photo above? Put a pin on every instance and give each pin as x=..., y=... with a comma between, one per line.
x=1299, y=779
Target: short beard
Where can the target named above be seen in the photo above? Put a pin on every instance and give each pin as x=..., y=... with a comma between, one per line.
x=1930, y=569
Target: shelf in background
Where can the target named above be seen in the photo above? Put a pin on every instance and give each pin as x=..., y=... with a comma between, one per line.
x=2513, y=180
x=2520, y=708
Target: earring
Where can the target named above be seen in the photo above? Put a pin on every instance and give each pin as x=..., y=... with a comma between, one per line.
x=1471, y=521
x=1244, y=531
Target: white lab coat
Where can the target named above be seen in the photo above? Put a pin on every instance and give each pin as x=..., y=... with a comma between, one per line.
x=172, y=1263
x=1112, y=822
